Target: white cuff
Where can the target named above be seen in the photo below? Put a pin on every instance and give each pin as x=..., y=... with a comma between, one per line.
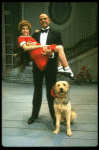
x=52, y=56
x=22, y=43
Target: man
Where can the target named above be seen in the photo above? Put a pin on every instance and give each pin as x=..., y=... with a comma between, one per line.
x=46, y=36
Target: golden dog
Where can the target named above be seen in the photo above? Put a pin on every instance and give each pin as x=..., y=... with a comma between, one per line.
x=62, y=106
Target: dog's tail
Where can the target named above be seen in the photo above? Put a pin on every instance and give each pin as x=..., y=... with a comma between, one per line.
x=73, y=116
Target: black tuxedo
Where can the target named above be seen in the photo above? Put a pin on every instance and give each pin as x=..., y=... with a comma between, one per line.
x=50, y=75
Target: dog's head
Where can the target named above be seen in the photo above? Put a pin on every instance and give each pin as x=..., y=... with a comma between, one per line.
x=61, y=88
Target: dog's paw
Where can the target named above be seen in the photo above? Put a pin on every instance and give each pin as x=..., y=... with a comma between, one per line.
x=69, y=133
x=55, y=132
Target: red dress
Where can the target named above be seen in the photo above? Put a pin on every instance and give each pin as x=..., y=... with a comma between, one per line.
x=40, y=59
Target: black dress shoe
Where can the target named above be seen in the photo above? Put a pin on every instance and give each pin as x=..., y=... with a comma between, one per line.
x=67, y=74
x=31, y=120
x=73, y=78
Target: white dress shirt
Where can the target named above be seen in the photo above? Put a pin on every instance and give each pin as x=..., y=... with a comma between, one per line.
x=43, y=39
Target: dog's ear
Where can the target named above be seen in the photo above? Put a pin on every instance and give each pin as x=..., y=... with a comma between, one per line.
x=54, y=86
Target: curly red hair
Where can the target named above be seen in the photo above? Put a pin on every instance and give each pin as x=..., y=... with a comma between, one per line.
x=24, y=23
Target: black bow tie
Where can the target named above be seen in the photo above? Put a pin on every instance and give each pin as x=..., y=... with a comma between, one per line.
x=44, y=30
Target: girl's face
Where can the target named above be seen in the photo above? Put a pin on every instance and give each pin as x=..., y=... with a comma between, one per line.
x=25, y=31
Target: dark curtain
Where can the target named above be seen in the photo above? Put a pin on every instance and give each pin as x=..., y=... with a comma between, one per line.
x=16, y=17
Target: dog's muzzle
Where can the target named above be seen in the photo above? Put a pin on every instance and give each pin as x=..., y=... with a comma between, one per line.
x=61, y=90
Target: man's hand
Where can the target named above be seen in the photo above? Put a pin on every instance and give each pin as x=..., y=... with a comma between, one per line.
x=47, y=51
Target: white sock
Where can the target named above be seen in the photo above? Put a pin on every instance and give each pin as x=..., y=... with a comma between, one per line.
x=60, y=67
x=67, y=67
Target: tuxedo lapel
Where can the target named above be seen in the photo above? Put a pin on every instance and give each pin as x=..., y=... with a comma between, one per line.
x=49, y=37
x=38, y=37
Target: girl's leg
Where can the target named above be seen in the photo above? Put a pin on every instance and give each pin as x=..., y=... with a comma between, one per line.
x=60, y=50
x=61, y=55
x=60, y=66
x=59, y=63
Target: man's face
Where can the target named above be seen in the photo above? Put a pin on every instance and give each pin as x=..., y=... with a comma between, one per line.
x=44, y=21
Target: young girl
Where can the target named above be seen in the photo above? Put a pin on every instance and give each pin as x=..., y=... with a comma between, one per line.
x=38, y=52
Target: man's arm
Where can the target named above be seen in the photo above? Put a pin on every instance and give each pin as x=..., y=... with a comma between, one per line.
x=58, y=39
x=34, y=35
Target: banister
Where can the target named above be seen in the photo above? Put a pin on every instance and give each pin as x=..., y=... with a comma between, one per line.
x=82, y=46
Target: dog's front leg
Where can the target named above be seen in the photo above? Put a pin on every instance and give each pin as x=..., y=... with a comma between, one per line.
x=58, y=119
x=68, y=124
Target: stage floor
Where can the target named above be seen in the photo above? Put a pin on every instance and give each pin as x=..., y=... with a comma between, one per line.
x=17, y=107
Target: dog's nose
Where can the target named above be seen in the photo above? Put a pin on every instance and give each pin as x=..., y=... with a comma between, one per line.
x=61, y=90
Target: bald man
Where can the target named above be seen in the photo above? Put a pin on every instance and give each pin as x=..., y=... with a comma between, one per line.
x=46, y=36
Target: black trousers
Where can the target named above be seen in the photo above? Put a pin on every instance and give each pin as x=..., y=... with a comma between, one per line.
x=50, y=80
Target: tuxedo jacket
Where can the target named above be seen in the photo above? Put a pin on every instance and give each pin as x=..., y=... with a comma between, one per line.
x=52, y=38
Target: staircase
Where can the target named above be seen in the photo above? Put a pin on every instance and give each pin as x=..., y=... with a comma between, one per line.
x=26, y=76
x=83, y=53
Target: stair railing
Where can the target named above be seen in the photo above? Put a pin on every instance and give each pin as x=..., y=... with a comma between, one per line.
x=84, y=45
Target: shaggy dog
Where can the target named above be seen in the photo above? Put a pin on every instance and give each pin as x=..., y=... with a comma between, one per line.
x=62, y=106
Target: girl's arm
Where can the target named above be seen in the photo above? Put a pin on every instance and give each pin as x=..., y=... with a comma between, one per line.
x=32, y=47
x=29, y=43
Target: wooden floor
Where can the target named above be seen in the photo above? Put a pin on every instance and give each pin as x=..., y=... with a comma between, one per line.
x=16, y=110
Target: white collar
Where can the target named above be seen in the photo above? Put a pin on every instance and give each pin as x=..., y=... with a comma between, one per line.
x=46, y=28
x=25, y=36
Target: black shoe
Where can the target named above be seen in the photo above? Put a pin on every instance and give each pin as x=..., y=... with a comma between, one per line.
x=73, y=78
x=64, y=74
x=67, y=74
x=31, y=120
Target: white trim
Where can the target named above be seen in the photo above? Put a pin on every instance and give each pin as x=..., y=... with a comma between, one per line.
x=22, y=43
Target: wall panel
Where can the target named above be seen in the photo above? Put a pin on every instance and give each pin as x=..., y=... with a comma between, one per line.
x=83, y=25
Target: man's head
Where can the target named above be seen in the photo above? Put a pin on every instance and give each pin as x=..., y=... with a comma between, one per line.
x=44, y=21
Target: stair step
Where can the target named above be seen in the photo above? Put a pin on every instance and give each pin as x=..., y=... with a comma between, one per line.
x=28, y=67
x=30, y=80
x=26, y=79
x=26, y=75
x=27, y=72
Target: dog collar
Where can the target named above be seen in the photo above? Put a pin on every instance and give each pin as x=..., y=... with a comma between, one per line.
x=53, y=93
x=65, y=103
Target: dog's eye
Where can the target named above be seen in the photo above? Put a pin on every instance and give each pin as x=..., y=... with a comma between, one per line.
x=64, y=84
x=58, y=85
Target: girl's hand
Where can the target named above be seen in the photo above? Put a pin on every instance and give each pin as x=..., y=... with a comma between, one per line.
x=29, y=43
